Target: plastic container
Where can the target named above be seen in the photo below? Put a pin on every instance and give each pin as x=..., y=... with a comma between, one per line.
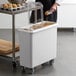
x=38, y=43
x=37, y=46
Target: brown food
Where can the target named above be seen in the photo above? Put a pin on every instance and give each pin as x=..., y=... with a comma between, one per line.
x=41, y=25
x=18, y=5
x=9, y=5
x=36, y=27
x=48, y=13
x=14, y=5
x=5, y=6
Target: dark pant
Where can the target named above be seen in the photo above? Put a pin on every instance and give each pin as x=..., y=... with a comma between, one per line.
x=47, y=4
x=51, y=17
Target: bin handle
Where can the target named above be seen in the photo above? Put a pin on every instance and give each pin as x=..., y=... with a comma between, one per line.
x=41, y=10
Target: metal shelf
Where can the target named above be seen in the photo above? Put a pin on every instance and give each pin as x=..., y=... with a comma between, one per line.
x=27, y=7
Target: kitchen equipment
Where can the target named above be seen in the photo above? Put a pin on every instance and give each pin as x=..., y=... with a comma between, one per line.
x=37, y=41
x=37, y=46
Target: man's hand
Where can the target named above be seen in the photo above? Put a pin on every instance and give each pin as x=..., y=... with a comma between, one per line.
x=54, y=7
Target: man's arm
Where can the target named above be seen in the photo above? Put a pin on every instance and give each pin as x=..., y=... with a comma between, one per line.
x=54, y=7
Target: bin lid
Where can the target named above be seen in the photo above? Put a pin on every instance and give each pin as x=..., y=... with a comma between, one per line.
x=38, y=26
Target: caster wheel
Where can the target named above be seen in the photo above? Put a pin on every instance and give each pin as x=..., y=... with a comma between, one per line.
x=14, y=64
x=31, y=71
x=51, y=61
x=23, y=69
x=44, y=64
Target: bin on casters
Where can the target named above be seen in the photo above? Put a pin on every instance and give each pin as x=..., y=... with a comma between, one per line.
x=38, y=43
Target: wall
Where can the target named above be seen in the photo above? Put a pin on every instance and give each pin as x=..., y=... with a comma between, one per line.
x=69, y=1
x=67, y=14
x=6, y=23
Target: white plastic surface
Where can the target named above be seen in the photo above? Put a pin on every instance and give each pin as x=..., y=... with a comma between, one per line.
x=38, y=47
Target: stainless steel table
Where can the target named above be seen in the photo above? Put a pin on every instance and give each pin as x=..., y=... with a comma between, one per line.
x=27, y=7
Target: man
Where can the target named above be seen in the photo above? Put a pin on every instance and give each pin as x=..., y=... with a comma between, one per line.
x=49, y=10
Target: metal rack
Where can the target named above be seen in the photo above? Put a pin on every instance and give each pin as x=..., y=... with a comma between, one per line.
x=27, y=8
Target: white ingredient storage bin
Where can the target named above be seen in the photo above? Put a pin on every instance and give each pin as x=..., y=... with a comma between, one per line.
x=37, y=46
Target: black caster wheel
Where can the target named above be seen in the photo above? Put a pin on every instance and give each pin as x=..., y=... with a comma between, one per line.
x=31, y=71
x=51, y=61
x=44, y=64
x=17, y=64
x=23, y=69
x=14, y=64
